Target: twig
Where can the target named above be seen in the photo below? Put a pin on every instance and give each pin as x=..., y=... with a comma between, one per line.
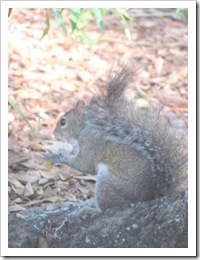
x=132, y=44
x=142, y=15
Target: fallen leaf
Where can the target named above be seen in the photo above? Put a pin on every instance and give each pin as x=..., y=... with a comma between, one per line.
x=48, y=165
x=42, y=243
x=15, y=207
x=86, y=177
x=42, y=181
x=18, y=215
x=15, y=182
x=28, y=190
x=24, y=178
x=50, y=175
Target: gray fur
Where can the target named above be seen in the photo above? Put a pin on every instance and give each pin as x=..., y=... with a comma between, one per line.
x=137, y=154
x=160, y=138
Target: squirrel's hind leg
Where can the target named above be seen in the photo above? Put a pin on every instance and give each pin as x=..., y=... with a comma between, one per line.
x=111, y=191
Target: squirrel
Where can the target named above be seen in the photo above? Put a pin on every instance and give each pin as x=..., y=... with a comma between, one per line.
x=138, y=154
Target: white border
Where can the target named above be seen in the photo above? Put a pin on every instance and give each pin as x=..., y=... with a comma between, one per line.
x=192, y=126
x=98, y=4
x=191, y=250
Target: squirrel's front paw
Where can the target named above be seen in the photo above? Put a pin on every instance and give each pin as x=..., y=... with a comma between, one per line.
x=61, y=152
x=53, y=158
x=61, y=148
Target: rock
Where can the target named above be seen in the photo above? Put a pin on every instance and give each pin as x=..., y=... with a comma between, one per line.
x=159, y=223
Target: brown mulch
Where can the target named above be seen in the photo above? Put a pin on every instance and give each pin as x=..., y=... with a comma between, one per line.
x=47, y=77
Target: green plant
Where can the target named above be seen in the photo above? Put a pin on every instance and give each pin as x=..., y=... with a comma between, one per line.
x=9, y=11
x=78, y=18
x=182, y=11
x=17, y=109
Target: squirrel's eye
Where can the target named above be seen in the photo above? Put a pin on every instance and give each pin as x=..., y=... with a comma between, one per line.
x=62, y=121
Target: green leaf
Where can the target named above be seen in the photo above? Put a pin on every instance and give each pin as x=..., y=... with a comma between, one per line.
x=105, y=10
x=180, y=10
x=86, y=38
x=59, y=19
x=9, y=11
x=45, y=32
x=124, y=16
x=183, y=12
x=99, y=18
x=16, y=108
x=74, y=16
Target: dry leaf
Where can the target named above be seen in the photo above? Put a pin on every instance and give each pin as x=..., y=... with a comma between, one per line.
x=86, y=177
x=28, y=190
x=42, y=243
x=18, y=215
x=49, y=206
x=36, y=147
x=15, y=207
x=84, y=75
x=48, y=165
x=48, y=192
x=34, y=173
x=159, y=65
x=18, y=191
x=63, y=176
x=33, y=202
x=18, y=200
x=55, y=199
x=40, y=191
x=15, y=182
x=24, y=178
x=50, y=175
x=173, y=101
x=42, y=181
x=32, y=165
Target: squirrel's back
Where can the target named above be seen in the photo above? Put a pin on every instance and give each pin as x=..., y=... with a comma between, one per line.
x=137, y=153
x=159, y=137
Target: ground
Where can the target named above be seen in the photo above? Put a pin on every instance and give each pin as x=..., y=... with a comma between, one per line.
x=48, y=76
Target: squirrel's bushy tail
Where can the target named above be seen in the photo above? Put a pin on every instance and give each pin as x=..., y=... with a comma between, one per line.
x=160, y=138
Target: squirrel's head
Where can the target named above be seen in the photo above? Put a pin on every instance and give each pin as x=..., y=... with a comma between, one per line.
x=69, y=125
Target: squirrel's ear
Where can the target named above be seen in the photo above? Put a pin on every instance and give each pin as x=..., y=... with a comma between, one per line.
x=80, y=106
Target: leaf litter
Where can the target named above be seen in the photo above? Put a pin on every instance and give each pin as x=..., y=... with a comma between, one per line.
x=47, y=77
